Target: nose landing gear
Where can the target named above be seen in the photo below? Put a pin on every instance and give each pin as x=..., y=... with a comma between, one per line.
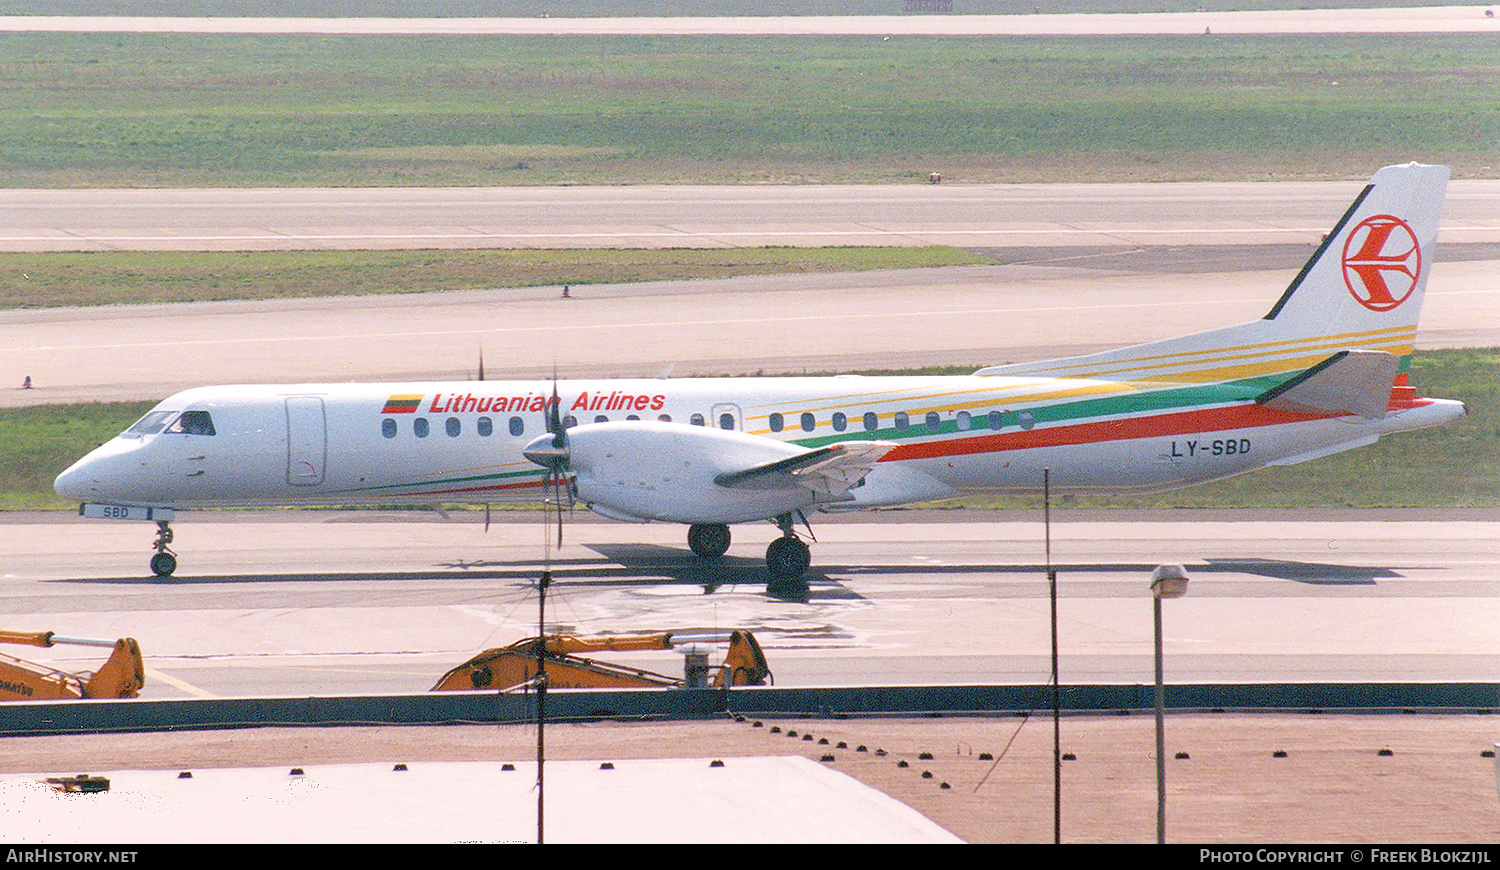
x=165, y=561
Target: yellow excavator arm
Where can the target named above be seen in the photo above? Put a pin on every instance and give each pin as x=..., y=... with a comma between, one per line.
x=516, y=665
x=121, y=676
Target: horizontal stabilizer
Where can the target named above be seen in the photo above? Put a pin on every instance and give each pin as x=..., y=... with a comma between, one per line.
x=1349, y=382
x=830, y=470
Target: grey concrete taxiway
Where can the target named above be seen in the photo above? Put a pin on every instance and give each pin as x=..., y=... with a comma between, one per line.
x=1084, y=267
x=699, y=216
x=363, y=602
x=975, y=315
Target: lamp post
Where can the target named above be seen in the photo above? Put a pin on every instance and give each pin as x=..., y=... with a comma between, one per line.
x=1167, y=581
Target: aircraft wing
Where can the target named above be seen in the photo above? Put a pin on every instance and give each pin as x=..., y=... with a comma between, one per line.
x=1349, y=382
x=829, y=471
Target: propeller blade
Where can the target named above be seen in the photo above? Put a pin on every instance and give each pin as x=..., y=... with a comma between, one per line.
x=553, y=455
x=554, y=420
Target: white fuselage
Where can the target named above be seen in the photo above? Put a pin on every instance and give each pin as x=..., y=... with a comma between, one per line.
x=461, y=442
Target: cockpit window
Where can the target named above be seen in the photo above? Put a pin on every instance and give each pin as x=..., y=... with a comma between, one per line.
x=193, y=423
x=151, y=424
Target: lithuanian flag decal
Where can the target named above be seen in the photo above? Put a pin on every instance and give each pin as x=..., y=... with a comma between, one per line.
x=401, y=405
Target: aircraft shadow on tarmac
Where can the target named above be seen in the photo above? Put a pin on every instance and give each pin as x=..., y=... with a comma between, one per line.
x=680, y=566
x=1317, y=573
x=648, y=565
x=625, y=565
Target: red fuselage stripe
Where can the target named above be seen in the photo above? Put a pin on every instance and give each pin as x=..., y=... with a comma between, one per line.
x=1249, y=416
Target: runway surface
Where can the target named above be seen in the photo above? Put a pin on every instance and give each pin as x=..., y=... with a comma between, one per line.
x=1087, y=267
x=338, y=603
x=787, y=324
x=1449, y=19
x=698, y=216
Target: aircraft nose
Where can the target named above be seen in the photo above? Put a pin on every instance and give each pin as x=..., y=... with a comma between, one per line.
x=97, y=476
x=75, y=482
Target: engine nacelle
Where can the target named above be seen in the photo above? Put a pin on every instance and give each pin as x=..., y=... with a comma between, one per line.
x=666, y=471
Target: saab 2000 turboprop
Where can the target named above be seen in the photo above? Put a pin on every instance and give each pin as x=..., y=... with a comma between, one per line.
x=1324, y=371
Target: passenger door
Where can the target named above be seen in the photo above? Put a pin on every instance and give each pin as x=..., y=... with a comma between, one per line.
x=306, y=440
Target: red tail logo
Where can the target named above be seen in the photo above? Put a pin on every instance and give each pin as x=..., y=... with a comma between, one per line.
x=1382, y=262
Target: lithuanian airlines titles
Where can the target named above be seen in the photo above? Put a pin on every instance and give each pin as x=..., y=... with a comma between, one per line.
x=1324, y=371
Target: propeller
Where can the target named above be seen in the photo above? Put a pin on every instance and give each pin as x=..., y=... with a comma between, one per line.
x=551, y=452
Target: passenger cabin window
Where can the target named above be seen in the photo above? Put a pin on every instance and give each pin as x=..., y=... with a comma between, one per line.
x=601, y=419
x=454, y=427
x=697, y=420
x=934, y=421
x=486, y=426
x=871, y=421
x=997, y=420
x=419, y=427
x=151, y=424
x=963, y=420
x=840, y=421
x=1027, y=419
x=726, y=421
x=808, y=422
x=517, y=426
x=777, y=423
x=902, y=421
x=665, y=418
x=570, y=421
x=193, y=423
x=388, y=427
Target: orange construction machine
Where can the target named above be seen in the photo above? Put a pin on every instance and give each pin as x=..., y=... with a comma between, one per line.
x=516, y=665
x=122, y=676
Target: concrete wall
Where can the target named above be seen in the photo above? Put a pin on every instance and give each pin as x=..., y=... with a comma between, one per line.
x=62, y=717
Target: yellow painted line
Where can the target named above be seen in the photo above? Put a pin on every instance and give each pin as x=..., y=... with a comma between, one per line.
x=180, y=685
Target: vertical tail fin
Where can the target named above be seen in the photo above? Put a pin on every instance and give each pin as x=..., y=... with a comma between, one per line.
x=1362, y=290
x=1371, y=271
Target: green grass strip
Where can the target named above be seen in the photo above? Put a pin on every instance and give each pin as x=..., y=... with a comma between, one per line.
x=164, y=110
x=46, y=280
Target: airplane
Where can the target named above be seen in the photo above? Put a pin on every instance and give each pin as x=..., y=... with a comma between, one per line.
x=1324, y=371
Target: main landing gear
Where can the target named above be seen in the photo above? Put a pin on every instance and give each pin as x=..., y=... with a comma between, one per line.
x=708, y=540
x=787, y=559
x=165, y=561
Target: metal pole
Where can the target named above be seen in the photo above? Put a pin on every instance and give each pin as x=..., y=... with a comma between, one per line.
x=1056, y=701
x=541, y=702
x=1167, y=581
x=1161, y=751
